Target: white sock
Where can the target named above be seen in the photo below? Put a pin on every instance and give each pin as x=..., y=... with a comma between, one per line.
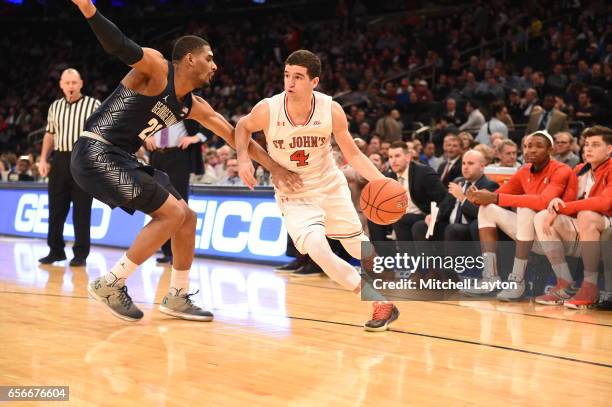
x=590, y=276
x=490, y=264
x=179, y=280
x=519, y=268
x=121, y=271
x=562, y=272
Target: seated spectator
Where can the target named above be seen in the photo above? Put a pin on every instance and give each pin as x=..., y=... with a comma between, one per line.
x=377, y=161
x=384, y=150
x=487, y=152
x=467, y=140
x=21, y=171
x=585, y=110
x=583, y=221
x=390, y=126
x=530, y=190
x=475, y=118
x=462, y=222
x=563, y=149
x=450, y=168
x=428, y=156
x=507, y=152
x=374, y=144
x=451, y=114
x=232, y=177
x=549, y=118
x=529, y=104
x=499, y=113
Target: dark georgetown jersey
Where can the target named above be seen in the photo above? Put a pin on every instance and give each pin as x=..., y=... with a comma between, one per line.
x=126, y=118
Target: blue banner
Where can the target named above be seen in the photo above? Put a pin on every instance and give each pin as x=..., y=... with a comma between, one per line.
x=229, y=226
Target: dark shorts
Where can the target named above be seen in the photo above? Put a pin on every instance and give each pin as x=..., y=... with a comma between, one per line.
x=117, y=178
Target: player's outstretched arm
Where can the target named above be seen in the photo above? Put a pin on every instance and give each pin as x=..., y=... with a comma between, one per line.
x=147, y=61
x=351, y=152
x=256, y=120
x=209, y=118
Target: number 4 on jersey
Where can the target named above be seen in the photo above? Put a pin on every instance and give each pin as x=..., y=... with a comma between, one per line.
x=301, y=157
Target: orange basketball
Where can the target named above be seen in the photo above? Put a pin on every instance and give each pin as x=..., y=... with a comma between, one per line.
x=383, y=201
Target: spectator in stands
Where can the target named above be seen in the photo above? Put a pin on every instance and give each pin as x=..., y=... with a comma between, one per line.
x=390, y=126
x=365, y=131
x=548, y=118
x=563, y=149
x=451, y=114
x=467, y=140
x=585, y=110
x=462, y=222
x=475, y=118
x=450, y=168
x=231, y=169
x=515, y=109
x=499, y=113
x=487, y=152
x=507, y=151
x=377, y=161
x=21, y=171
x=428, y=156
x=529, y=103
x=558, y=81
x=423, y=94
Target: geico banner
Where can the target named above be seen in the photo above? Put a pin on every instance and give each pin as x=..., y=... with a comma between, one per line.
x=237, y=226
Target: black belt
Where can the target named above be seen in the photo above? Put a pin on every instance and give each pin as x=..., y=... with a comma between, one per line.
x=167, y=150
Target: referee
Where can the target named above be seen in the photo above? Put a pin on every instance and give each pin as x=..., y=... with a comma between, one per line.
x=65, y=123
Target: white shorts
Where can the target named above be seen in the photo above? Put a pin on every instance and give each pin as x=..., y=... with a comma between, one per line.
x=332, y=210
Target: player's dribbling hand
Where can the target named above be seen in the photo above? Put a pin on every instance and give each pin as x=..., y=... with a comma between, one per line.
x=246, y=171
x=44, y=168
x=555, y=204
x=282, y=176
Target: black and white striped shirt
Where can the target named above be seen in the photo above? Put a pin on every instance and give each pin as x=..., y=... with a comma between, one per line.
x=66, y=120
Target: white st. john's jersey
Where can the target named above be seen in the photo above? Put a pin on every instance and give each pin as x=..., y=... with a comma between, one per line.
x=304, y=149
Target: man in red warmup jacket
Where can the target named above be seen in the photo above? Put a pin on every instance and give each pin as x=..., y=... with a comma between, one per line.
x=574, y=228
x=530, y=190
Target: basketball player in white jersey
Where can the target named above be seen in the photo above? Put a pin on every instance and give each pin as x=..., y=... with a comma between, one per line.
x=298, y=125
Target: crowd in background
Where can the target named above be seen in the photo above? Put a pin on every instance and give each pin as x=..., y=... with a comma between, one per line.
x=407, y=79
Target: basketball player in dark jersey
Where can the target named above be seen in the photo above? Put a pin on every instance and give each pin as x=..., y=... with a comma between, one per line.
x=156, y=93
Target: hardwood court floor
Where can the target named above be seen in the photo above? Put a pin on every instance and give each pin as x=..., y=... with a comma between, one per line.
x=281, y=341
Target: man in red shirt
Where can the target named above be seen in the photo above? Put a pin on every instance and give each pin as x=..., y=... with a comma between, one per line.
x=574, y=228
x=530, y=190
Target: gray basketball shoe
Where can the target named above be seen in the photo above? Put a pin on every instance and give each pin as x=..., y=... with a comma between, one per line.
x=180, y=305
x=115, y=297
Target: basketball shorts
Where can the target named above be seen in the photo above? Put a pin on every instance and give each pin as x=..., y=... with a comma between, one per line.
x=332, y=210
x=567, y=228
x=116, y=177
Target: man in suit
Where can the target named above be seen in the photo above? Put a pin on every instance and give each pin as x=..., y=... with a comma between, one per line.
x=461, y=223
x=549, y=119
x=451, y=166
x=422, y=185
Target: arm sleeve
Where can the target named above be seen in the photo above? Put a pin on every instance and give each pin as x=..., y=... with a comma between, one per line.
x=114, y=41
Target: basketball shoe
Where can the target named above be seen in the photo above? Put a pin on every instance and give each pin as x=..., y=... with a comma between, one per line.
x=115, y=297
x=384, y=313
x=180, y=305
x=561, y=292
x=586, y=297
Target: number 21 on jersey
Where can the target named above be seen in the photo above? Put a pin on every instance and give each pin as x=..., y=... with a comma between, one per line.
x=153, y=126
x=300, y=157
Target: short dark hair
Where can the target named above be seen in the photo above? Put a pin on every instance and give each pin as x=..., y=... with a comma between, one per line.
x=308, y=60
x=187, y=44
x=399, y=144
x=603, y=131
x=497, y=107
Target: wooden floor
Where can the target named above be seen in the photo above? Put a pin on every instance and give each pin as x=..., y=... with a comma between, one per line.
x=282, y=341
